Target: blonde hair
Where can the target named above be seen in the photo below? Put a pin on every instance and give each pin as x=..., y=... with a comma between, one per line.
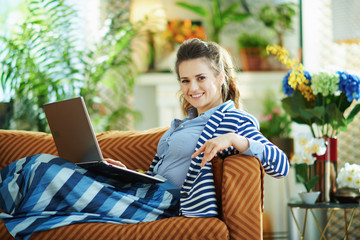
x=219, y=61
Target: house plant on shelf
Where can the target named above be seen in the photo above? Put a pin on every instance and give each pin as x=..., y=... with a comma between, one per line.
x=303, y=161
x=279, y=18
x=253, y=51
x=326, y=103
x=348, y=182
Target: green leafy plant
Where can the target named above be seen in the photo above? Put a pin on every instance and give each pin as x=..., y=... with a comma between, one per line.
x=110, y=79
x=274, y=122
x=247, y=40
x=303, y=173
x=216, y=16
x=278, y=18
x=41, y=62
x=304, y=159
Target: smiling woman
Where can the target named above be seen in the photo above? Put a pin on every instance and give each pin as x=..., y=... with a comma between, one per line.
x=200, y=86
x=183, y=158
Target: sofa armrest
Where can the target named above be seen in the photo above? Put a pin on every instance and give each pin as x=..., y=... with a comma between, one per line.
x=242, y=196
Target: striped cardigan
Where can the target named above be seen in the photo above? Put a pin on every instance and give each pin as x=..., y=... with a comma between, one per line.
x=197, y=195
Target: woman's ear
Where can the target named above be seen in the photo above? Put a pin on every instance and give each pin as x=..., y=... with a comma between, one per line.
x=221, y=78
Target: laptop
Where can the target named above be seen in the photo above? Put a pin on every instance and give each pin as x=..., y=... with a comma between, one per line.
x=76, y=141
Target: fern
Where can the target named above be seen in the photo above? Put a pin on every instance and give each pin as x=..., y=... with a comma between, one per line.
x=40, y=61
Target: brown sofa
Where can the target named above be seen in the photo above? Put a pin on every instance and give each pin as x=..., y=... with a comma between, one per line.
x=238, y=179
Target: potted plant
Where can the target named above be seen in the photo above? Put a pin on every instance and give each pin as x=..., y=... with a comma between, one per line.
x=253, y=52
x=37, y=62
x=278, y=18
x=216, y=16
x=326, y=103
x=303, y=161
x=41, y=62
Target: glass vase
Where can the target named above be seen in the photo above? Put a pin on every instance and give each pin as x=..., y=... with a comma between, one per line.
x=326, y=169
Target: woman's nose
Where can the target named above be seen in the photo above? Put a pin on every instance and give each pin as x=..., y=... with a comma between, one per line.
x=194, y=86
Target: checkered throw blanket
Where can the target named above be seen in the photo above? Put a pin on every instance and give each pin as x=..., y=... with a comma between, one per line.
x=43, y=192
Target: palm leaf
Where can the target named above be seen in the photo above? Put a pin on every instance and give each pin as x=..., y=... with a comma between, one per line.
x=194, y=8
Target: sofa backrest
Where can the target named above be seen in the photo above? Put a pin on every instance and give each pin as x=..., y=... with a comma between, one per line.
x=135, y=149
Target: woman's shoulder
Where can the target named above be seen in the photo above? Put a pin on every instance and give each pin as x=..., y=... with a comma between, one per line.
x=242, y=116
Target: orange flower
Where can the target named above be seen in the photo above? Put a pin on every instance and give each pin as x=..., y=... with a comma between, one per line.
x=180, y=30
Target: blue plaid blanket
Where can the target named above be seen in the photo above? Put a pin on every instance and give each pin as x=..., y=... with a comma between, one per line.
x=43, y=192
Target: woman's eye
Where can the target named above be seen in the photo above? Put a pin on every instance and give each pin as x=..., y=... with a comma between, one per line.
x=184, y=81
x=201, y=78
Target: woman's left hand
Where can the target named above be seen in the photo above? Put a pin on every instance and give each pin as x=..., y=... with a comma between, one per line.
x=217, y=144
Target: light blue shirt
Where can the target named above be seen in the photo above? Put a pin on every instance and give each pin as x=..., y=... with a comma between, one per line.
x=178, y=144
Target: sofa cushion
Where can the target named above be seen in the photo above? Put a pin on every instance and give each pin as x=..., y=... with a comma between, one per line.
x=171, y=228
x=16, y=144
x=135, y=149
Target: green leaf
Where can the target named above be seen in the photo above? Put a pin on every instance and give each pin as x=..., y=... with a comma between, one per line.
x=239, y=17
x=311, y=183
x=317, y=112
x=226, y=14
x=194, y=8
x=353, y=113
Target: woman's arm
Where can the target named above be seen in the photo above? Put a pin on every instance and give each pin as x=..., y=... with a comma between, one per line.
x=274, y=160
x=217, y=144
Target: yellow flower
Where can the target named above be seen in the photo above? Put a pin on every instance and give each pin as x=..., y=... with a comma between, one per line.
x=297, y=78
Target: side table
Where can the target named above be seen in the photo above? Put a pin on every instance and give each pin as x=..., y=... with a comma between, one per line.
x=333, y=207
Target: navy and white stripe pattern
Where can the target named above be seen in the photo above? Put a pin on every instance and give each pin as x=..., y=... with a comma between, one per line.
x=43, y=192
x=198, y=192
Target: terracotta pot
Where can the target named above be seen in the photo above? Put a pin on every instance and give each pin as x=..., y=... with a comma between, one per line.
x=253, y=60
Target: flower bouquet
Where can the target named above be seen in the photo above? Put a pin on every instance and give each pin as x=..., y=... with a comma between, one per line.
x=318, y=100
x=324, y=102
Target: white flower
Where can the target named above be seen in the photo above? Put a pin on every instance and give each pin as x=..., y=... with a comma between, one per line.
x=304, y=139
x=349, y=176
x=318, y=146
x=307, y=147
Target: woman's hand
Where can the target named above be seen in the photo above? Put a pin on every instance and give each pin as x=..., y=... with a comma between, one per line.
x=114, y=162
x=217, y=144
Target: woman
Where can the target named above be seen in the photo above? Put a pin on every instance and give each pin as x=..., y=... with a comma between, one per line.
x=43, y=192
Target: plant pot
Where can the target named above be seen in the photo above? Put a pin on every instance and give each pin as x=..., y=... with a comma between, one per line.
x=253, y=60
x=309, y=197
x=348, y=195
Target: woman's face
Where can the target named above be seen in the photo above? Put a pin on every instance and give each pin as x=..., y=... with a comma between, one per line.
x=200, y=86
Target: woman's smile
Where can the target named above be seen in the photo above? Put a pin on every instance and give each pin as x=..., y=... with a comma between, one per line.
x=200, y=86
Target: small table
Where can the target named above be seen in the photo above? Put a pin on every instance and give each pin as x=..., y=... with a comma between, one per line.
x=324, y=206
